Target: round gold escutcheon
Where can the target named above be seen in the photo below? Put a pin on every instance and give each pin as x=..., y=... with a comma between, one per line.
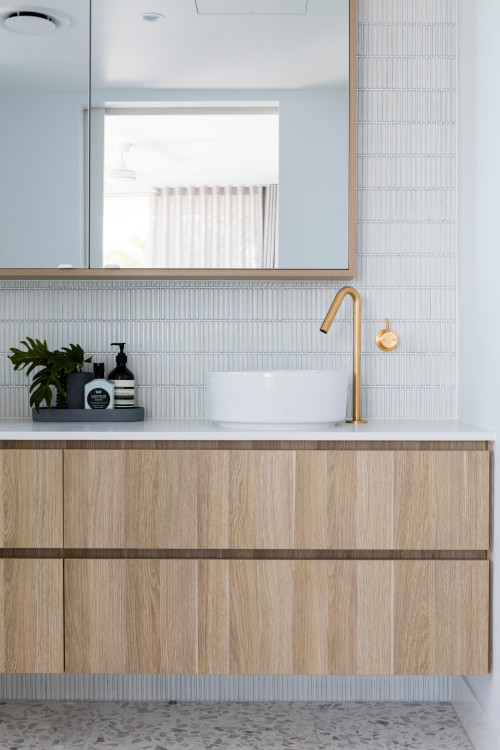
x=386, y=339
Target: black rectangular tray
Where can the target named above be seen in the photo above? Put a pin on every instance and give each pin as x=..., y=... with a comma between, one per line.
x=136, y=414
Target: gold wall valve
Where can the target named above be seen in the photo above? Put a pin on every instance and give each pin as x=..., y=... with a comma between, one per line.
x=386, y=339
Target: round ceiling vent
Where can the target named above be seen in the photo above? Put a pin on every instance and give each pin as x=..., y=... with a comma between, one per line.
x=32, y=20
x=28, y=22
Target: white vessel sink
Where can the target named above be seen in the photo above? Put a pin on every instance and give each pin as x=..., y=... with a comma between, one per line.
x=291, y=399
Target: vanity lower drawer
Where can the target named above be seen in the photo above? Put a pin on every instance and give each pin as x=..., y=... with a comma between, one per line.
x=277, y=617
x=31, y=616
x=277, y=499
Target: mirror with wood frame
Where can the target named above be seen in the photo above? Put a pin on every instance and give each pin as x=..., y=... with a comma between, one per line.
x=221, y=145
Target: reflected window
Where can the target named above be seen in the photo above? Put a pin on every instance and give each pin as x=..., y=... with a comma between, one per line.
x=190, y=187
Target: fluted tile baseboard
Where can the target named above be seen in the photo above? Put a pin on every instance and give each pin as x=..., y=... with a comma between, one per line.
x=223, y=688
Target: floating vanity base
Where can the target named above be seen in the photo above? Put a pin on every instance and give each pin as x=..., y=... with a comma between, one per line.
x=136, y=414
x=244, y=557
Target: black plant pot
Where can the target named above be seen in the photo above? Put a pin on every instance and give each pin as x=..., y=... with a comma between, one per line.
x=75, y=385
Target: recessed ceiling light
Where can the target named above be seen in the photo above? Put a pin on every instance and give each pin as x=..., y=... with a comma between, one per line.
x=32, y=20
x=152, y=17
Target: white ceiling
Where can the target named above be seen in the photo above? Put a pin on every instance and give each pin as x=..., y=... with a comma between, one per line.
x=185, y=50
x=195, y=149
x=191, y=51
x=283, y=7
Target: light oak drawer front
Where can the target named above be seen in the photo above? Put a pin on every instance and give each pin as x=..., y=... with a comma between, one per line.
x=31, y=498
x=277, y=499
x=277, y=616
x=392, y=500
x=31, y=616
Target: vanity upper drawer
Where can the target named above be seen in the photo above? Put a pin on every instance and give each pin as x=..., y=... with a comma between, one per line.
x=277, y=499
x=31, y=498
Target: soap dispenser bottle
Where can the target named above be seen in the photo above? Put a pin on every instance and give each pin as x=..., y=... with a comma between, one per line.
x=99, y=393
x=123, y=381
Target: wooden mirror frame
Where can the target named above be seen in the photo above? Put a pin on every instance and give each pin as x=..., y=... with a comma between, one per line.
x=264, y=274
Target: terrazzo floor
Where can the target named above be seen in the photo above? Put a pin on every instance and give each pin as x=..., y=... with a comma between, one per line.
x=229, y=726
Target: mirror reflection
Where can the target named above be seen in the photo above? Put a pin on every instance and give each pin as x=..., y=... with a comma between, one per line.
x=44, y=65
x=190, y=187
x=220, y=134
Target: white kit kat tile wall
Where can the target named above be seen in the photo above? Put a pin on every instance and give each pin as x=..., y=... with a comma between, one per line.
x=176, y=331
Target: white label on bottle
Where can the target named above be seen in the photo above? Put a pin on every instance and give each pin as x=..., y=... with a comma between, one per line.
x=98, y=398
x=124, y=393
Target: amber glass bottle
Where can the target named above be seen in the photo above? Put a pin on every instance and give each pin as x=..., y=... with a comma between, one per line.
x=123, y=381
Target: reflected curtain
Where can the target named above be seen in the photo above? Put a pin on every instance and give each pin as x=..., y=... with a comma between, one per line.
x=214, y=227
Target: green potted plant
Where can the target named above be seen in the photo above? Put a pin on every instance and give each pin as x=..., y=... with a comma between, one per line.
x=54, y=367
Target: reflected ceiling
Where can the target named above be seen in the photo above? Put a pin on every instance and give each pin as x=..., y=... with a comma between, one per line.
x=188, y=50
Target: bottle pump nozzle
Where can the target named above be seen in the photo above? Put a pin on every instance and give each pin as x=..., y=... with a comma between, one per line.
x=121, y=357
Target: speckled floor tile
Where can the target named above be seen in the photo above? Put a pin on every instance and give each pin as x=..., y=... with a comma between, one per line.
x=186, y=725
x=46, y=724
x=426, y=726
x=78, y=725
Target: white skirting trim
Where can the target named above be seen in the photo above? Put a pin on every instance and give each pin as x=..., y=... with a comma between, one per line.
x=476, y=723
x=222, y=688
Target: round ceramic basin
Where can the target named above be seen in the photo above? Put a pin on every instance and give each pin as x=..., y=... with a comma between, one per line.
x=289, y=399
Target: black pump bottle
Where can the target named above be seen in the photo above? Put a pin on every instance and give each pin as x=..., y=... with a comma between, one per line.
x=123, y=381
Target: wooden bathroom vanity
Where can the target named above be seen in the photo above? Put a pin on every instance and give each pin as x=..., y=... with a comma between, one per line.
x=178, y=552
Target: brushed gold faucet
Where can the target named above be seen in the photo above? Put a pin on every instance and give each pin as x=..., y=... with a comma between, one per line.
x=356, y=345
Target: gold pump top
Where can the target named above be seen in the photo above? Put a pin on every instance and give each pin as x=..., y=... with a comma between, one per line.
x=356, y=344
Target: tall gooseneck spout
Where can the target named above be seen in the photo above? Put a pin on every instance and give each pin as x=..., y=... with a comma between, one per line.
x=356, y=345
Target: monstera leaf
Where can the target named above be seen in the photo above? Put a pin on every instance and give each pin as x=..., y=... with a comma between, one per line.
x=54, y=367
x=36, y=355
x=68, y=359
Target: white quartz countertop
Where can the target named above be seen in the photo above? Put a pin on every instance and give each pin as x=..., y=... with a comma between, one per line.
x=189, y=429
